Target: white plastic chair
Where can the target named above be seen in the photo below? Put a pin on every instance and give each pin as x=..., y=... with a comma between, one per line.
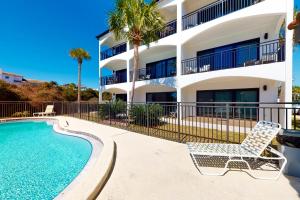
x=48, y=112
x=256, y=142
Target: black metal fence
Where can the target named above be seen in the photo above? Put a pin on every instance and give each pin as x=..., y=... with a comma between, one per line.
x=148, y=73
x=214, y=11
x=248, y=55
x=113, y=51
x=169, y=29
x=180, y=122
x=112, y=79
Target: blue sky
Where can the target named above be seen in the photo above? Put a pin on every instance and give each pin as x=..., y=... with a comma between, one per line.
x=36, y=36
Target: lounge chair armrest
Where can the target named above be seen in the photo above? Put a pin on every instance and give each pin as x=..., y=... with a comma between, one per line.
x=274, y=151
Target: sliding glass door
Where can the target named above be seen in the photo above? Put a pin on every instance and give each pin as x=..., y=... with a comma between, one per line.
x=233, y=96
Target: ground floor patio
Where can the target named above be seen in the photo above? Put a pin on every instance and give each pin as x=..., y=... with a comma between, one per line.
x=150, y=168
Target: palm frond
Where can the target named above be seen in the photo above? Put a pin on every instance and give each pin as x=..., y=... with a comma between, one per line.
x=136, y=21
x=79, y=54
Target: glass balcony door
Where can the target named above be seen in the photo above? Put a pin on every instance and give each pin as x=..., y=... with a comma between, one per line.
x=228, y=56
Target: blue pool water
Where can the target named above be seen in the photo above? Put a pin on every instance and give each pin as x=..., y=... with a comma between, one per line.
x=36, y=162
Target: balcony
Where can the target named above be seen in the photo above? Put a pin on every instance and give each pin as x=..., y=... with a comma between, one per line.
x=213, y=11
x=243, y=56
x=113, y=51
x=118, y=77
x=160, y=69
x=169, y=29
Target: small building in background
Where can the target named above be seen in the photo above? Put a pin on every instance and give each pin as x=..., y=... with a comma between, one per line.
x=10, y=77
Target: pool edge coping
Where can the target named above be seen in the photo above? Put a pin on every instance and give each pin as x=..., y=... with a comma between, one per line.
x=90, y=185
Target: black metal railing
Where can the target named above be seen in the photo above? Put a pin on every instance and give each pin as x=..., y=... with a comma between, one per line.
x=148, y=74
x=214, y=11
x=113, y=51
x=169, y=29
x=182, y=122
x=112, y=79
x=249, y=55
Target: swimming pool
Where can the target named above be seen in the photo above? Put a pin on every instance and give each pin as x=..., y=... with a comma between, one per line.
x=36, y=162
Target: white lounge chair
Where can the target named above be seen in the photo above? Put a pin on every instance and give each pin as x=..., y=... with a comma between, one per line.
x=48, y=112
x=256, y=142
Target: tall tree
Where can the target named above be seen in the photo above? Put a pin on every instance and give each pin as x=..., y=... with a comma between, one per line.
x=137, y=22
x=80, y=55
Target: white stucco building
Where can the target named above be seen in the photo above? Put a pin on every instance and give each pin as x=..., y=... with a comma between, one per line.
x=227, y=50
x=10, y=77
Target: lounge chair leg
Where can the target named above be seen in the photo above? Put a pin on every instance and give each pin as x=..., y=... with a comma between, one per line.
x=210, y=174
x=269, y=178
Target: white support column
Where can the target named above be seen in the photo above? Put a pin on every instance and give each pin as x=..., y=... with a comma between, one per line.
x=289, y=52
x=289, y=60
x=128, y=96
x=100, y=74
x=179, y=30
x=128, y=76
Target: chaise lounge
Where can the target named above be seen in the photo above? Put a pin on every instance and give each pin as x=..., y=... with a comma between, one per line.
x=48, y=112
x=254, y=145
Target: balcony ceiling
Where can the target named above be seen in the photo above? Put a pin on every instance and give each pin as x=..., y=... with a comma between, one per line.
x=257, y=24
x=158, y=50
x=116, y=65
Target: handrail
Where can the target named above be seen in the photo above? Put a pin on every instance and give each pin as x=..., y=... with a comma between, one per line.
x=248, y=55
x=213, y=11
x=110, y=80
x=115, y=50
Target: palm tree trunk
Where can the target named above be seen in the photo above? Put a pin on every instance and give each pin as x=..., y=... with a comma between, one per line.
x=135, y=68
x=79, y=86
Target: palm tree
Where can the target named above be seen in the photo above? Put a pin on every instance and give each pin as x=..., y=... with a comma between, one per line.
x=137, y=22
x=79, y=54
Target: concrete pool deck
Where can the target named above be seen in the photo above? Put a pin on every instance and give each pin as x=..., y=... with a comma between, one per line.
x=148, y=168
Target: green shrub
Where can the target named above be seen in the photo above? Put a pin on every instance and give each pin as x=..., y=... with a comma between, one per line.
x=21, y=114
x=143, y=112
x=112, y=110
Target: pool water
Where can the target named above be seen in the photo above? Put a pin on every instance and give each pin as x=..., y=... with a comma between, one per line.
x=36, y=162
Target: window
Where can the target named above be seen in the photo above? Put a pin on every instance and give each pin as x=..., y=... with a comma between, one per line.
x=121, y=76
x=166, y=99
x=162, y=68
x=161, y=97
x=247, y=111
x=122, y=97
x=6, y=77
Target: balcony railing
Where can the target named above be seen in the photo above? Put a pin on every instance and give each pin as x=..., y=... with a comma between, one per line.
x=249, y=55
x=112, y=79
x=214, y=11
x=114, y=51
x=147, y=74
x=169, y=29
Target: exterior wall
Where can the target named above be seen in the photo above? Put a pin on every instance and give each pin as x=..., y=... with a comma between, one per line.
x=270, y=95
x=249, y=23
x=203, y=41
x=153, y=56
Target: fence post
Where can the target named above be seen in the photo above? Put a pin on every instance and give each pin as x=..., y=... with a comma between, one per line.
x=88, y=110
x=178, y=120
x=79, y=107
x=109, y=113
x=62, y=108
x=227, y=122
x=147, y=118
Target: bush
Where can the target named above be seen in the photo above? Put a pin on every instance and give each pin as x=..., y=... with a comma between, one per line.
x=21, y=114
x=113, y=109
x=140, y=113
